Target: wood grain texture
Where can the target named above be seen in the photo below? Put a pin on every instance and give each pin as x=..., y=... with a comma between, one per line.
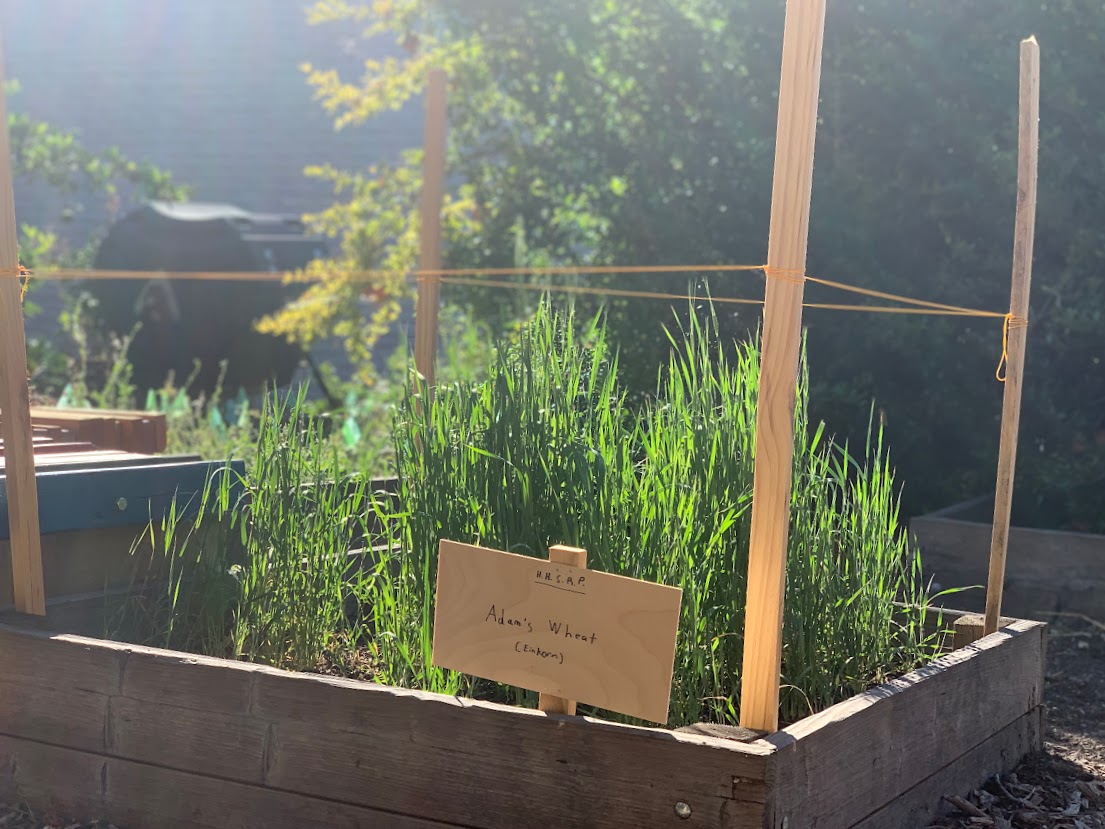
x=488, y=771
x=40, y=659
x=186, y=681
x=1024, y=234
x=15, y=400
x=845, y=763
x=790, y=210
x=970, y=627
x=75, y=783
x=429, y=234
x=997, y=754
x=573, y=557
x=602, y=639
x=70, y=716
x=490, y=765
x=221, y=745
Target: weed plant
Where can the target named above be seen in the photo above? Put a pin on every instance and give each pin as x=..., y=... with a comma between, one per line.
x=544, y=450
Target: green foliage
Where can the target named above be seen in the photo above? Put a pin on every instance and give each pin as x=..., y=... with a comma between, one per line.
x=642, y=133
x=546, y=451
x=377, y=226
x=116, y=390
x=263, y=574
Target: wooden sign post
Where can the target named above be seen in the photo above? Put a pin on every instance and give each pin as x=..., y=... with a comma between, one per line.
x=799, y=82
x=429, y=234
x=15, y=410
x=558, y=628
x=1016, y=324
x=573, y=557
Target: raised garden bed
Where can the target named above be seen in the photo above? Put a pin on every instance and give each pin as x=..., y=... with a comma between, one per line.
x=1047, y=571
x=145, y=737
x=91, y=511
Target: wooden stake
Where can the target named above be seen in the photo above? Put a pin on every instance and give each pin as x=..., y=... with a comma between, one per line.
x=1027, y=151
x=573, y=557
x=15, y=412
x=799, y=82
x=433, y=196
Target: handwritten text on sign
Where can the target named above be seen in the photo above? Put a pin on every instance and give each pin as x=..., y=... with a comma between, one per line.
x=580, y=634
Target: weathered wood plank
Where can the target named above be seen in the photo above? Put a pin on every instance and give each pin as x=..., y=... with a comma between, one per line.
x=842, y=764
x=75, y=783
x=433, y=756
x=223, y=745
x=66, y=716
x=997, y=754
x=131, y=431
x=478, y=764
x=971, y=627
x=187, y=681
x=44, y=660
x=479, y=779
x=446, y=758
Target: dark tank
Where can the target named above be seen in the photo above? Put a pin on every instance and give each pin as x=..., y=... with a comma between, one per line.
x=184, y=320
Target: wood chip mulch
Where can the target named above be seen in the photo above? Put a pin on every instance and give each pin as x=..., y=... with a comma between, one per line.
x=1044, y=791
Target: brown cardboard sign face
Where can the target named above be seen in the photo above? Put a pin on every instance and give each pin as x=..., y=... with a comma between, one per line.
x=581, y=634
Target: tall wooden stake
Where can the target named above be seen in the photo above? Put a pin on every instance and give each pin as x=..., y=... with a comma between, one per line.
x=433, y=196
x=799, y=82
x=15, y=413
x=1027, y=150
x=573, y=557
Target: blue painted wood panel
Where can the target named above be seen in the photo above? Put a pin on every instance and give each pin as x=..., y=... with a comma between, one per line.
x=79, y=499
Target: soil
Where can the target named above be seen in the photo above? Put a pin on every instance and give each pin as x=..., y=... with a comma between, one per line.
x=1062, y=787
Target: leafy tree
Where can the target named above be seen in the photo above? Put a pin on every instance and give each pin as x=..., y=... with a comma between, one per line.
x=604, y=131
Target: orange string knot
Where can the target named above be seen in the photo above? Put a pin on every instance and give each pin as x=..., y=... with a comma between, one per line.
x=1011, y=321
x=795, y=276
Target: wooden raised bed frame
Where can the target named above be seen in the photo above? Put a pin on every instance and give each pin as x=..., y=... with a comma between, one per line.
x=1048, y=571
x=146, y=737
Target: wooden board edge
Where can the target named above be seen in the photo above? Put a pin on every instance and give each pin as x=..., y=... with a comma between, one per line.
x=999, y=753
x=722, y=780
x=949, y=661
x=135, y=653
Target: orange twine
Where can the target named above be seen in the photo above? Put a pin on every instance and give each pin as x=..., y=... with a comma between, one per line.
x=478, y=277
x=1011, y=321
x=795, y=276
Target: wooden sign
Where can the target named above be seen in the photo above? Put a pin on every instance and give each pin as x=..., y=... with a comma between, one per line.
x=565, y=631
